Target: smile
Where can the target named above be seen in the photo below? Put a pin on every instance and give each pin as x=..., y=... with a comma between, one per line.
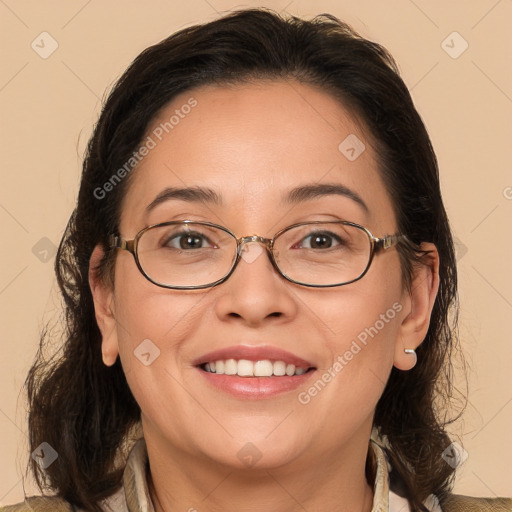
x=246, y=368
x=254, y=372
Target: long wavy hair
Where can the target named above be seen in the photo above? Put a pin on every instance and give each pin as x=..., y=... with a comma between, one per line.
x=84, y=409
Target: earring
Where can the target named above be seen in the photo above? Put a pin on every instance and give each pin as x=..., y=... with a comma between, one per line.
x=412, y=352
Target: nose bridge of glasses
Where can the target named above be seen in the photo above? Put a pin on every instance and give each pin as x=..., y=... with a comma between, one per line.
x=254, y=239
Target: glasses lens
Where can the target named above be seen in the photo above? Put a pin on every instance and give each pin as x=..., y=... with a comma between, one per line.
x=323, y=254
x=191, y=254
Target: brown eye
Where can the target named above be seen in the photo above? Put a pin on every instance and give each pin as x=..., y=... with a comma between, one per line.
x=320, y=241
x=187, y=241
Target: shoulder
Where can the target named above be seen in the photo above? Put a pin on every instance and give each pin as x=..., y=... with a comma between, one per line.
x=40, y=504
x=458, y=503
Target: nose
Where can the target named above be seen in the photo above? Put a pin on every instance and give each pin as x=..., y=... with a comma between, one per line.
x=256, y=293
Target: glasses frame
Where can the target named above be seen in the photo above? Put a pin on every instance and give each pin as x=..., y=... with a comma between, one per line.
x=376, y=245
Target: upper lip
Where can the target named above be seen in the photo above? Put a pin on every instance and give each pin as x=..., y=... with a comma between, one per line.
x=253, y=353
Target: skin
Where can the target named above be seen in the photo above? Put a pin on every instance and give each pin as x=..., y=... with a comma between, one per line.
x=251, y=143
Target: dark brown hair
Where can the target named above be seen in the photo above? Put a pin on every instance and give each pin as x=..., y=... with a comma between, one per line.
x=84, y=409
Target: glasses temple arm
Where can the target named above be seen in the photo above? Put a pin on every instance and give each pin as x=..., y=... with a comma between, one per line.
x=392, y=240
x=115, y=241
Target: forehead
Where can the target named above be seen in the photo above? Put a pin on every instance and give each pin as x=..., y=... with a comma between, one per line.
x=253, y=143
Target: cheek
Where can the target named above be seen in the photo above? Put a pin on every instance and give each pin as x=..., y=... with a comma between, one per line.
x=360, y=323
x=153, y=329
x=164, y=319
x=358, y=316
x=144, y=310
x=360, y=330
x=152, y=326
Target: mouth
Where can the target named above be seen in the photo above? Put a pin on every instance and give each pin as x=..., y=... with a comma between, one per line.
x=249, y=372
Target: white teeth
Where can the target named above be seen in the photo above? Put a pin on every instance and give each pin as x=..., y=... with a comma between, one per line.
x=230, y=367
x=279, y=368
x=246, y=368
x=290, y=370
x=263, y=368
x=219, y=367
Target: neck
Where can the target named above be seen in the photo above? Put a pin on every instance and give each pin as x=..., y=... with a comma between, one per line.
x=335, y=481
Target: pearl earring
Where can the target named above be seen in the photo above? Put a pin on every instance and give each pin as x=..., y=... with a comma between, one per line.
x=412, y=352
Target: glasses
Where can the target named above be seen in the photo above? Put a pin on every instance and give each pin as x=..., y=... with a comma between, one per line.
x=187, y=255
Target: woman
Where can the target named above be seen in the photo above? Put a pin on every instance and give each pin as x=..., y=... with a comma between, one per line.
x=259, y=279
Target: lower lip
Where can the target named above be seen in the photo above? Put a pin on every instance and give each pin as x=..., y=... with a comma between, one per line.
x=255, y=388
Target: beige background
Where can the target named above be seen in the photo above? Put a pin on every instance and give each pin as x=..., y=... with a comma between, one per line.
x=48, y=107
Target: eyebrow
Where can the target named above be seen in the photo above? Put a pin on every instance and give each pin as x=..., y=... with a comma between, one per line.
x=308, y=192
x=190, y=194
x=294, y=196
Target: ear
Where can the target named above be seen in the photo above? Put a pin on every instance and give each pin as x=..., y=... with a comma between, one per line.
x=418, y=302
x=104, y=308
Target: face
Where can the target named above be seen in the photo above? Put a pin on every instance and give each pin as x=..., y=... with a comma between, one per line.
x=252, y=144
